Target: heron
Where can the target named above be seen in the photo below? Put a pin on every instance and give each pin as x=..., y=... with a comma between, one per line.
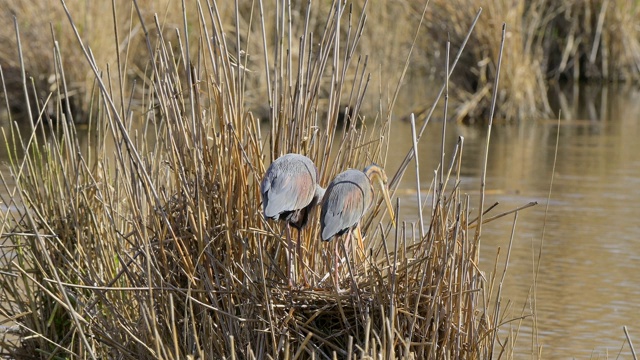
x=347, y=198
x=290, y=191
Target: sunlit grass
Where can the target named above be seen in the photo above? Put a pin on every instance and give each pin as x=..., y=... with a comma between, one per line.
x=576, y=40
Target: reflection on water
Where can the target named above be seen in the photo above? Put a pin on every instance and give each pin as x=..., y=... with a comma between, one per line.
x=588, y=286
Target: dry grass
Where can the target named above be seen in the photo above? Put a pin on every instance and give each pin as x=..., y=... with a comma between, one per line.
x=42, y=21
x=547, y=40
x=523, y=86
x=148, y=242
x=589, y=40
x=571, y=39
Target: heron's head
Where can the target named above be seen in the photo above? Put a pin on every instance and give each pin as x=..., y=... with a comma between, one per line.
x=377, y=176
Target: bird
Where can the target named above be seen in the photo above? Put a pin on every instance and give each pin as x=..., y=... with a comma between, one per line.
x=290, y=190
x=348, y=196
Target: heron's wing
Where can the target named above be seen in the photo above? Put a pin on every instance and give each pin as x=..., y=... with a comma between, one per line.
x=342, y=208
x=286, y=192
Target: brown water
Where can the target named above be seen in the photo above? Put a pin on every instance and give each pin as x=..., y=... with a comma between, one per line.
x=588, y=286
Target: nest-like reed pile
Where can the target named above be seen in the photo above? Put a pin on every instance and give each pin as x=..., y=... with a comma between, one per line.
x=147, y=239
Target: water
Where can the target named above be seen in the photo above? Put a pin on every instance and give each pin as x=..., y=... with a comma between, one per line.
x=588, y=285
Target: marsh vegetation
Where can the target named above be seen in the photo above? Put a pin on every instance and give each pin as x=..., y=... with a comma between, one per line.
x=158, y=249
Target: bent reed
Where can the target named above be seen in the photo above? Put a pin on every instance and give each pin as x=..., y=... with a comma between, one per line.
x=143, y=238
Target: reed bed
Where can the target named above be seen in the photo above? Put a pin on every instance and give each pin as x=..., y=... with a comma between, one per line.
x=548, y=41
x=147, y=240
x=472, y=86
x=594, y=40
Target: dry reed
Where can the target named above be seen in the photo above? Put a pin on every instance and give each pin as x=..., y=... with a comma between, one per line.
x=570, y=39
x=147, y=241
x=575, y=40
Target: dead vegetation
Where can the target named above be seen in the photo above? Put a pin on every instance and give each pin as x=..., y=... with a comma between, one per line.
x=148, y=241
x=594, y=40
x=573, y=40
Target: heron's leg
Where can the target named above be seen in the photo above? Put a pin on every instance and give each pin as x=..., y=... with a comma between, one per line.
x=346, y=240
x=360, y=241
x=335, y=268
x=290, y=256
x=300, y=260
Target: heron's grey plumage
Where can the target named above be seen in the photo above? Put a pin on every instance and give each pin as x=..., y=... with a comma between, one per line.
x=347, y=198
x=290, y=189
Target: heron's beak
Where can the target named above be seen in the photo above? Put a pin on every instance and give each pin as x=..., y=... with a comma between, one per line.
x=387, y=200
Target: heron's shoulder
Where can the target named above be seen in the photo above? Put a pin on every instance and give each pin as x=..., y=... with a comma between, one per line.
x=353, y=175
x=294, y=156
x=294, y=164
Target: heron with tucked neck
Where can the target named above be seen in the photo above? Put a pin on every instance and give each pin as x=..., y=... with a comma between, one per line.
x=290, y=191
x=347, y=198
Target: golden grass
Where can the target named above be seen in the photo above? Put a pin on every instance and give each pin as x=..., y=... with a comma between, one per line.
x=148, y=242
x=571, y=39
x=576, y=40
x=590, y=40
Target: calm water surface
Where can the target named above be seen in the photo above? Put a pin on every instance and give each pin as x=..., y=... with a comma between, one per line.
x=589, y=281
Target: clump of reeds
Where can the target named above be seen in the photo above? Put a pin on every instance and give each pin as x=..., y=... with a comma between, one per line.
x=147, y=240
x=547, y=40
x=588, y=40
x=522, y=93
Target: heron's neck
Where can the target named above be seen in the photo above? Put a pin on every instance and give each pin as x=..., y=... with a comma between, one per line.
x=373, y=171
x=319, y=193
